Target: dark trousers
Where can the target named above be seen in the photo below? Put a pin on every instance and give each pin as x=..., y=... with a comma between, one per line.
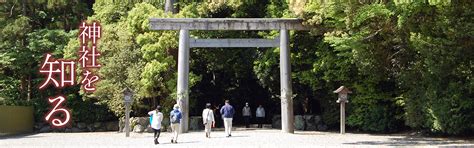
x=247, y=121
x=260, y=121
x=157, y=134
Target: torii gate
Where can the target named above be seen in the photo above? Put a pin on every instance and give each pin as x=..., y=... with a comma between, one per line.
x=185, y=43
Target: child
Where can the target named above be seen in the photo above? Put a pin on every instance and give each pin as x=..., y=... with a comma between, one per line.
x=155, y=124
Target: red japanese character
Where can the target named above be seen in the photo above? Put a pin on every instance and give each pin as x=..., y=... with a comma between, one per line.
x=88, y=31
x=88, y=57
x=52, y=115
x=54, y=68
x=87, y=81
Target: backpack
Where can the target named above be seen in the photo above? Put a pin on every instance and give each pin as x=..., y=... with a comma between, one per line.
x=151, y=119
x=174, y=118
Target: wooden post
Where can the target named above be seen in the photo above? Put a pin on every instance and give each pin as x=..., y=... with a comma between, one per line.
x=127, y=119
x=183, y=79
x=287, y=117
x=127, y=99
x=342, y=99
x=343, y=117
x=169, y=6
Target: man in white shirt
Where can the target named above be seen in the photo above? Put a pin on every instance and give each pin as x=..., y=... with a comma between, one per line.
x=208, y=119
x=260, y=114
x=156, y=118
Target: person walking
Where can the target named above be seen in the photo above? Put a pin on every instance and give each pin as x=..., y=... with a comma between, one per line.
x=175, y=120
x=156, y=118
x=208, y=120
x=247, y=114
x=260, y=114
x=227, y=112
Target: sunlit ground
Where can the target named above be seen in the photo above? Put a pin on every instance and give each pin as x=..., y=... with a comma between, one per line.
x=240, y=138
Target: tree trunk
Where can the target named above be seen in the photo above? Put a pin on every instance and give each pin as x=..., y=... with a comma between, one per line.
x=66, y=21
x=154, y=102
x=28, y=95
x=24, y=7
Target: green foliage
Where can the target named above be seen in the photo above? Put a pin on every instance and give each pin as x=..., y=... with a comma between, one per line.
x=441, y=44
x=367, y=42
x=373, y=110
x=407, y=55
x=28, y=31
x=136, y=57
x=409, y=63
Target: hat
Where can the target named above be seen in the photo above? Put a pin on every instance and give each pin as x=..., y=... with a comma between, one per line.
x=176, y=106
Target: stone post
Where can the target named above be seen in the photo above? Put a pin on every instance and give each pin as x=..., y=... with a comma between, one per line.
x=287, y=117
x=183, y=79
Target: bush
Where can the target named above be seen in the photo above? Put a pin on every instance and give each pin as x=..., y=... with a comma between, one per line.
x=375, y=111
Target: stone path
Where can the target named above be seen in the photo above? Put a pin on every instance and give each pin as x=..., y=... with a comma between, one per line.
x=267, y=138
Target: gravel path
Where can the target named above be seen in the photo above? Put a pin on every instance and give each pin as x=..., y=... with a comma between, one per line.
x=241, y=138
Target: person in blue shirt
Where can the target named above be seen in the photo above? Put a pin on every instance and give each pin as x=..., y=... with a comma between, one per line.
x=175, y=120
x=227, y=112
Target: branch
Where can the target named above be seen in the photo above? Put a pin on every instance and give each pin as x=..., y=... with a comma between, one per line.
x=11, y=10
x=372, y=35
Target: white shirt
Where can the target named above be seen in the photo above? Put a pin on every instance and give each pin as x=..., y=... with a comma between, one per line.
x=207, y=116
x=260, y=112
x=157, y=118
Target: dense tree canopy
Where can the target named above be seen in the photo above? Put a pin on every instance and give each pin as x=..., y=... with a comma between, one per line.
x=409, y=63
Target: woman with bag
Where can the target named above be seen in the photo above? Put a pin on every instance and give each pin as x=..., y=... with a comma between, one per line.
x=208, y=119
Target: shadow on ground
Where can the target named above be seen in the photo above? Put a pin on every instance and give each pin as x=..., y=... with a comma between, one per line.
x=20, y=136
x=413, y=141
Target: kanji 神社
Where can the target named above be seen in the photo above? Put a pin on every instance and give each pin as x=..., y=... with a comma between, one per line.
x=89, y=55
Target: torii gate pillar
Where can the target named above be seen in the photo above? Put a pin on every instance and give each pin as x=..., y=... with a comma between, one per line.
x=183, y=78
x=287, y=117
